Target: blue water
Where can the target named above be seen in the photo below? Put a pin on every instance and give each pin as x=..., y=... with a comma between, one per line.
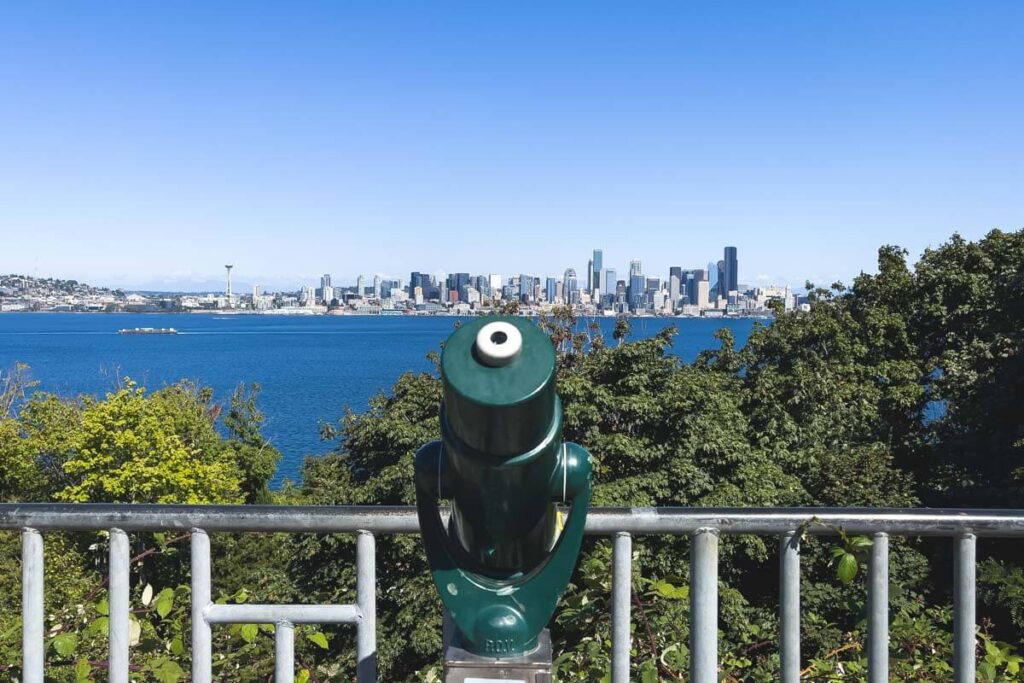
x=310, y=368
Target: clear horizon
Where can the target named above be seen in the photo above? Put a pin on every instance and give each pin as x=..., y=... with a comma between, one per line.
x=144, y=146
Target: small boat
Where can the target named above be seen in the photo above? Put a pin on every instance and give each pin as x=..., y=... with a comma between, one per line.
x=148, y=330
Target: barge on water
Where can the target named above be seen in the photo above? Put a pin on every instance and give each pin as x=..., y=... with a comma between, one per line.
x=148, y=330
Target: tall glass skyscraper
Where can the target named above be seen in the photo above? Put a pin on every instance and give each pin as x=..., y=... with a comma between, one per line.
x=635, y=287
x=570, y=287
x=597, y=264
x=731, y=271
x=549, y=289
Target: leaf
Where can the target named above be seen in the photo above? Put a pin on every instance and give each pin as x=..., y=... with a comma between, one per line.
x=249, y=632
x=164, y=601
x=65, y=643
x=302, y=676
x=134, y=632
x=649, y=672
x=147, y=594
x=82, y=670
x=847, y=568
x=103, y=607
x=177, y=647
x=667, y=590
x=167, y=670
x=318, y=638
x=860, y=542
x=98, y=626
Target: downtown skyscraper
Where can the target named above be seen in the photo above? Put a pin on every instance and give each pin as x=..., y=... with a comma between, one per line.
x=730, y=272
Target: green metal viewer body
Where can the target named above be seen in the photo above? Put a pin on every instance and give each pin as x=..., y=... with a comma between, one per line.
x=502, y=563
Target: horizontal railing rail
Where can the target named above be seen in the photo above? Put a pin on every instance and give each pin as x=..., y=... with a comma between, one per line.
x=702, y=525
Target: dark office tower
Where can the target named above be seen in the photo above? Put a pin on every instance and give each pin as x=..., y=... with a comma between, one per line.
x=550, y=285
x=417, y=279
x=722, y=290
x=686, y=287
x=590, y=275
x=731, y=270
x=456, y=282
x=596, y=264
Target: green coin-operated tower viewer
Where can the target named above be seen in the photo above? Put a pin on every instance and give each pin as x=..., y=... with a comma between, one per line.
x=505, y=557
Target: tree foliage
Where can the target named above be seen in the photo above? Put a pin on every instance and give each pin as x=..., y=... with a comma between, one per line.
x=905, y=388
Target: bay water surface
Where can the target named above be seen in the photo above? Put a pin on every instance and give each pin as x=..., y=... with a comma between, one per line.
x=309, y=368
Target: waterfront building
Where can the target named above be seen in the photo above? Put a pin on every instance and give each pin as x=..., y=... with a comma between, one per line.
x=597, y=265
x=360, y=286
x=550, y=287
x=376, y=287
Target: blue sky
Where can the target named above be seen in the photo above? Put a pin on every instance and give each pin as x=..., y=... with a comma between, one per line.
x=146, y=144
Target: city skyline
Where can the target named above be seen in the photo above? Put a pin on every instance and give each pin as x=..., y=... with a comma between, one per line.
x=244, y=280
x=714, y=291
x=145, y=148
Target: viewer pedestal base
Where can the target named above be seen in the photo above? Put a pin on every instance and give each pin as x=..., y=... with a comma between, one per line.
x=464, y=667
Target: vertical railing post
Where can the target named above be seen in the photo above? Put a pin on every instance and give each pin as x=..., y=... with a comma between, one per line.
x=704, y=606
x=622, y=589
x=789, y=607
x=33, y=646
x=878, y=610
x=284, y=652
x=117, y=624
x=202, y=645
x=964, y=638
x=366, y=600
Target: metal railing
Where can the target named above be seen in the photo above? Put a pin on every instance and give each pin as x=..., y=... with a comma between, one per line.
x=703, y=525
